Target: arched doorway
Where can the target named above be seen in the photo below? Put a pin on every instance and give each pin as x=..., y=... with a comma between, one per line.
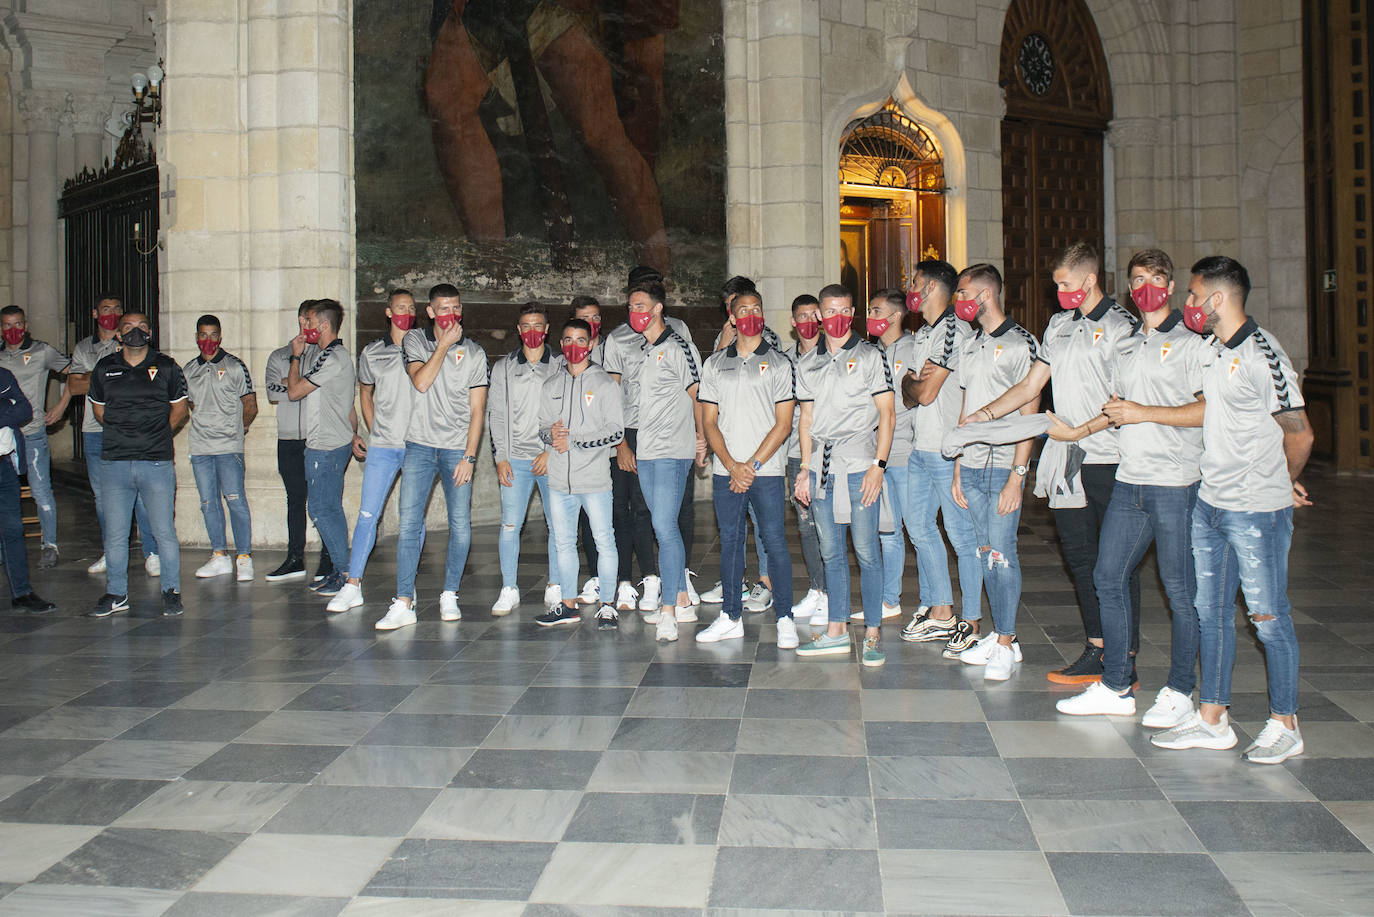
x=1059, y=101
x=892, y=208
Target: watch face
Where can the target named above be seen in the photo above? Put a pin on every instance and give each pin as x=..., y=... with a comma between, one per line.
x=1035, y=64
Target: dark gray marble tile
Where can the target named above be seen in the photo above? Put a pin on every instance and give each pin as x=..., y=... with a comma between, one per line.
x=36, y=757
x=76, y=800
x=696, y=675
x=646, y=818
x=573, y=701
x=142, y=858
x=1335, y=778
x=431, y=729
x=676, y=734
x=804, y=775
x=953, y=824
x=1082, y=778
x=260, y=763
x=1270, y=827
x=1163, y=884
x=461, y=869
x=527, y=769
x=927, y=739
x=816, y=880
x=366, y=698
x=818, y=705
x=137, y=694
x=376, y=811
x=196, y=725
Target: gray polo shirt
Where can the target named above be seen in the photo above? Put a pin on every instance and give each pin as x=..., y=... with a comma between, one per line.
x=217, y=388
x=794, y=353
x=1162, y=368
x=327, y=408
x=590, y=407
x=747, y=391
x=31, y=363
x=842, y=386
x=1247, y=381
x=382, y=365
x=513, y=404
x=623, y=349
x=770, y=337
x=441, y=416
x=942, y=343
x=989, y=365
x=85, y=355
x=667, y=370
x=1080, y=351
x=901, y=358
x=290, y=418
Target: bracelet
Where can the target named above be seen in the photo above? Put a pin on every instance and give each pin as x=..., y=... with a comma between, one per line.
x=988, y=411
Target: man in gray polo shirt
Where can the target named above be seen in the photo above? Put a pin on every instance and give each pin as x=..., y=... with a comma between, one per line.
x=1256, y=441
x=326, y=390
x=449, y=372
x=223, y=405
x=847, y=418
x=886, y=313
x=32, y=362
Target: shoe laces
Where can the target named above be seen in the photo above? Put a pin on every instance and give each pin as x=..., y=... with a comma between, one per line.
x=1270, y=734
x=607, y=611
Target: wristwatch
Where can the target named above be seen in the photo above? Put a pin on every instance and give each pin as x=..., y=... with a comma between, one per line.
x=880, y=463
x=756, y=465
x=470, y=459
x=1021, y=470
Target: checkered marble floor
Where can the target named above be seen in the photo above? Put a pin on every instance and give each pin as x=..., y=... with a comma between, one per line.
x=258, y=756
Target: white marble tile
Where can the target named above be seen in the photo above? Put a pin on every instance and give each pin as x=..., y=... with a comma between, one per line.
x=921, y=705
x=194, y=805
x=312, y=727
x=969, y=882
x=474, y=699
x=798, y=821
x=577, y=733
x=150, y=760
x=243, y=695
x=641, y=875
x=80, y=723
x=498, y=815
x=1306, y=884
x=1115, y=826
x=299, y=864
x=662, y=771
x=30, y=849
x=801, y=737
x=86, y=901
x=1083, y=738
x=394, y=765
x=1358, y=817
x=430, y=907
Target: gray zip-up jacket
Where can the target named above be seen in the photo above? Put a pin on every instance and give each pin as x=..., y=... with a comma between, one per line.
x=513, y=404
x=590, y=407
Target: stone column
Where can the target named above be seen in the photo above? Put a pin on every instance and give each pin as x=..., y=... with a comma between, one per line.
x=42, y=112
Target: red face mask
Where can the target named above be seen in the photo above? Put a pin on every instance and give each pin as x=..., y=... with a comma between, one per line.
x=108, y=321
x=640, y=320
x=749, y=325
x=876, y=326
x=404, y=322
x=809, y=330
x=966, y=309
x=14, y=336
x=575, y=353
x=1150, y=298
x=1195, y=318
x=311, y=335
x=1072, y=300
x=837, y=326
x=208, y=347
x=596, y=328
x=448, y=321
x=913, y=301
x=533, y=339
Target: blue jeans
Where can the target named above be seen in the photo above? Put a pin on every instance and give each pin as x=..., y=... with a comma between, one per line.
x=996, y=534
x=928, y=481
x=764, y=501
x=422, y=464
x=222, y=476
x=662, y=481
x=806, y=527
x=894, y=542
x=379, y=471
x=515, y=504
x=38, y=466
x=12, y=530
x=759, y=546
x=122, y=484
x=324, y=482
x=862, y=527
x=564, y=510
x=91, y=444
x=1221, y=538
x=1137, y=515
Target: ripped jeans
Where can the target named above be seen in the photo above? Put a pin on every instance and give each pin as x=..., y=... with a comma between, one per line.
x=379, y=471
x=219, y=480
x=996, y=536
x=1236, y=551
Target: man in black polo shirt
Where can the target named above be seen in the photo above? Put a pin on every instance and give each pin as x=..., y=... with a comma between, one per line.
x=139, y=395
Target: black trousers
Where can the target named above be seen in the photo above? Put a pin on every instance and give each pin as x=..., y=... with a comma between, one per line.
x=634, y=530
x=291, y=467
x=1078, y=532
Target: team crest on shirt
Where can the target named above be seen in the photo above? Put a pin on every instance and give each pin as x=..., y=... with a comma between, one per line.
x=588, y=396
x=152, y=373
x=27, y=358
x=458, y=357
x=1097, y=336
x=897, y=368
x=221, y=374
x=658, y=357
x=763, y=367
x=997, y=353
x=849, y=366
x=1164, y=351
x=1231, y=370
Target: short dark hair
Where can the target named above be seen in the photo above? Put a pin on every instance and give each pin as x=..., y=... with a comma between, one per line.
x=805, y=299
x=578, y=325
x=330, y=311
x=640, y=273
x=307, y=305
x=653, y=286
x=1079, y=254
x=533, y=308
x=894, y=298
x=109, y=294
x=581, y=302
x=749, y=293
x=1224, y=271
x=734, y=286
x=444, y=291
x=982, y=273
x=399, y=291
x=1154, y=260
x=942, y=273
x=835, y=291
x=13, y=310
x=210, y=321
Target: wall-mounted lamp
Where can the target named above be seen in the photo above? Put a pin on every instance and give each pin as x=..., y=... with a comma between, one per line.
x=139, y=239
x=148, y=94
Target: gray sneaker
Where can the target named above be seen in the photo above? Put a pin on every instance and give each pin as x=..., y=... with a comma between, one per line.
x=1194, y=732
x=48, y=557
x=1276, y=744
x=759, y=600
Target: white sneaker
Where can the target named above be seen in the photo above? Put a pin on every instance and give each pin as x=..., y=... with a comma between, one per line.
x=713, y=596
x=651, y=595
x=1171, y=708
x=666, y=630
x=759, y=599
x=787, y=634
x=152, y=565
x=350, y=596
x=1000, y=663
x=448, y=606
x=807, y=606
x=506, y=601
x=1276, y=743
x=398, y=615
x=1098, y=700
x=591, y=591
x=243, y=568
x=820, y=617
x=889, y=611
x=553, y=595
x=217, y=565
x=97, y=567
x=722, y=628
x=626, y=598
x=1195, y=732
x=981, y=652
x=692, y=597
x=685, y=614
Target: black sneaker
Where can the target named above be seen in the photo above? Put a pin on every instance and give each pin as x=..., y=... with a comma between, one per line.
x=963, y=637
x=47, y=557
x=1085, y=669
x=33, y=604
x=607, y=618
x=925, y=629
x=326, y=567
x=330, y=585
x=559, y=614
x=291, y=568
x=171, y=604
x=108, y=604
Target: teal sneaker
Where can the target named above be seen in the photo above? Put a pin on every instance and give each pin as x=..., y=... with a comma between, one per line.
x=873, y=656
x=826, y=646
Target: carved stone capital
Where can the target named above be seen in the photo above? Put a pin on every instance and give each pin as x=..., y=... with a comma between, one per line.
x=43, y=109
x=87, y=112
